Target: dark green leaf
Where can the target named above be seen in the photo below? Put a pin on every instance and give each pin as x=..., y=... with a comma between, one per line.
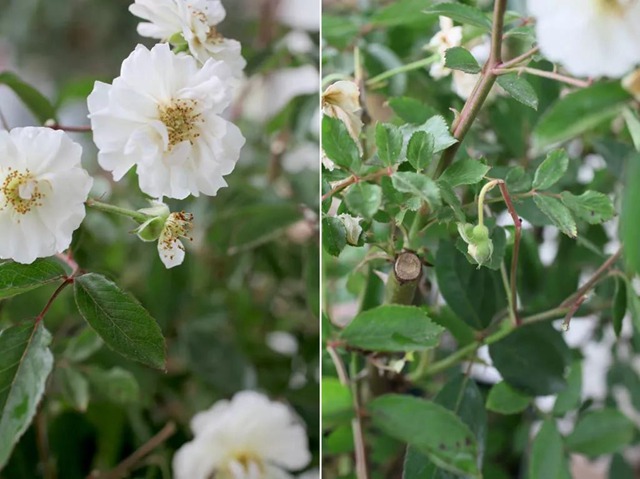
x=74, y=387
x=420, y=150
x=601, y=432
x=336, y=398
x=35, y=101
x=25, y=364
x=579, y=112
x=630, y=226
x=518, y=180
x=620, y=469
x=569, y=398
x=558, y=213
x=16, y=278
x=551, y=170
x=389, y=142
x=334, y=235
x=465, y=172
x=420, y=187
x=459, y=58
x=83, y=345
x=619, y=307
x=123, y=324
x=633, y=125
x=399, y=13
x=547, y=454
x=338, y=145
x=437, y=127
x=521, y=362
x=590, y=206
x=504, y=399
x=475, y=295
x=364, y=199
x=461, y=13
x=116, y=385
x=449, y=197
x=447, y=441
x=393, y=328
x=519, y=89
x=411, y=110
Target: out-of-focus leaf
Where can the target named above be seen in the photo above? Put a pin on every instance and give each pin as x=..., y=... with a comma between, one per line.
x=601, y=432
x=83, y=345
x=461, y=13
x=518, y=180
x=619, y=307
x=37, y=103
x=569, y=398
x=116, y=384
x=506, y=400
x=363, y=199
x=336, y=398
x=547, y=454
x=74, y=387
x=420, y=187
x=633, y=125
x=400, y=13
x=558, y=213
x=630, y=226
x=16, y=278
x=519, y=89
x=590, y=206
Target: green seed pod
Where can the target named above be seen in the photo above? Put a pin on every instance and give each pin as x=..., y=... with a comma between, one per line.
x=480, y=233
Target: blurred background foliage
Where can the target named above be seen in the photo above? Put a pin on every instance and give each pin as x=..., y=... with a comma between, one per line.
x=241, y=312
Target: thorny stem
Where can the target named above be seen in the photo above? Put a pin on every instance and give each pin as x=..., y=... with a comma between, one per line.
x=403, y=69
x=107, y=208
x=517, y=222
x=544, y=74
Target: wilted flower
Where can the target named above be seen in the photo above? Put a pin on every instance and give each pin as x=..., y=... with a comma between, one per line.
x=342, y=100
x=352, y=225
x=480, y=246
x=249, y=437
x=448, y=37
x=42, y=192
x=589, y=37
x=195, y=21
x=163, y=115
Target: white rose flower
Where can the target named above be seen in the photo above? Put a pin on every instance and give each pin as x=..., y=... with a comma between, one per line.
x=342, y=100
x=42, y=192
x=248, y=437
x=448, y=37
x=163, y=115
x=196, y=20
x=589, y=37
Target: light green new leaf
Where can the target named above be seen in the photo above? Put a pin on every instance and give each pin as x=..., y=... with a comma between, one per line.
x=558, y=213
x=334, y=235
x=504, y=399
x=633, y=125
x=437, y=127
x=519, y=89
x=420, y=150
x=547, y=454
x=465, y=172
x=461, y=13
x=459, y=58
x=338, y=145
x=393, y=328
x=579, y=112
x=364, y=199
x=421, y=187
x=590, y=206
x=25, y=364
x=518, y=180
x=600, y=432
x=430, y=428
x=336, y=398
x=551, y=170
x=450, y=198
x=16, y=278
x=35, y=101
x=389, y=142
x=123, y=324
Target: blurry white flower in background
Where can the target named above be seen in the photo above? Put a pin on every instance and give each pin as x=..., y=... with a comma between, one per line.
x=448, y=37
x=42, y=192
x=464, y=83
x=302, y=157
x=342, y=100
x=589, y=37
x=196, y=21
x=248, y=437
x=282, y=342
x=300, y=14
x=163, y=116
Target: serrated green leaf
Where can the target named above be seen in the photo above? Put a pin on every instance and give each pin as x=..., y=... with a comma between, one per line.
x=447, y=441
x=450, y=198
x=519, y=89
x=389, y=142
x=465, y=172
x=579, y=112
x=590, y=206
x=123, y=324
x=392, y=328
x=459, y=58
x=363, y=199
x=420, y=150
x=338, y=145
x=461, y=13
x=547, y=454
x=35, y=101
x=25, y=364
x=437, y=127
x=16, y=278
x=420, y=187
x=558, y=213
x=334, y=235
x=601, y=432
x=504, y=399
x=551, y=170
x=518, y=180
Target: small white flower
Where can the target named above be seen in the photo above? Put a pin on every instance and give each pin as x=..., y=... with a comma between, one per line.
x=589, y=37
x=163, y=115
x=448, y=37
x=42, y=192
x=249, y=437
x=342, y=100
x=196, y=20
x=352, y=225
x=299, y=14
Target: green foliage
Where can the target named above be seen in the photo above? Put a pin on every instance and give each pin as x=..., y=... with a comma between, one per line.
x=389, y=142
x=547, y=455
x=600, y=432
x=419, y=188
x=459, y=58
x=550, y=170
x=558, y=213
x=364, y=199
x=334, y=235
x=506, y=400
x=18, y=278
x=461, y=13
x=420, y=150
x=519, y=89
x=37, y=103
x=338, y=144
x=465, y=172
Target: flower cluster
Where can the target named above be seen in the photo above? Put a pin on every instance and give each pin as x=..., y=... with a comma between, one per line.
x=248, y=437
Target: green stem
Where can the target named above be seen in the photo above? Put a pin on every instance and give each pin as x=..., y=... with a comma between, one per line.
x=107, y=208
x=507, y=288
x=483, y=193
x=403, y=69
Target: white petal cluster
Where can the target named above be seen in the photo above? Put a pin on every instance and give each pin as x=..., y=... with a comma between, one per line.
x=163, y=116
x=248, y=437
x=43, y=189
x=196, y=22
x=589, y=37
x=448, y=37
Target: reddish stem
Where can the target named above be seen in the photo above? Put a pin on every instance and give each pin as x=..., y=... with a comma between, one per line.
x=517, y=222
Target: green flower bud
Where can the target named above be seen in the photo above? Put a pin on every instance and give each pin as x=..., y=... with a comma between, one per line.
x=481, y=251
x=480, y=233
